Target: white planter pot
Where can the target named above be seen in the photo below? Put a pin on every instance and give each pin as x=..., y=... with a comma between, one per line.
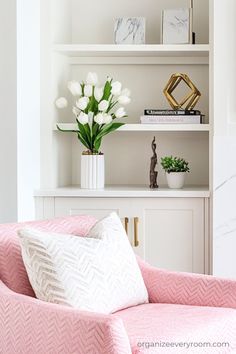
x=175, y=180
x=92, y=171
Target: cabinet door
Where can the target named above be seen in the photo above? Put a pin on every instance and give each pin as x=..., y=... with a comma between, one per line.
x=98, y=207
x=172, y=233
x=44, y=208
x=127, y=209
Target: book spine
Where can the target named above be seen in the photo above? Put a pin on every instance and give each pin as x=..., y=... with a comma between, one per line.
x=166, y=112
x=171, y=119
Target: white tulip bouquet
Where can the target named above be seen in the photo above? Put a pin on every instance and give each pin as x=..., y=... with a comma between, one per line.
x=94, y=109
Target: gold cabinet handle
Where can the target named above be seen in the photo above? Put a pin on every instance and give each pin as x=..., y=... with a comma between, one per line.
x=136, y=240
x=126, y=225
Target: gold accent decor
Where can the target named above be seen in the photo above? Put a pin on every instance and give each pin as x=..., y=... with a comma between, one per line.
x=136, y=240
x=190, y=100
x=126, y=225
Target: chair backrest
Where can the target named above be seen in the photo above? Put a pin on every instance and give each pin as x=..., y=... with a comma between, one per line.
x=12, y=269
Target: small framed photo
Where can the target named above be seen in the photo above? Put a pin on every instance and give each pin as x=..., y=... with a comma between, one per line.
x=177, y=26
x=129, y=30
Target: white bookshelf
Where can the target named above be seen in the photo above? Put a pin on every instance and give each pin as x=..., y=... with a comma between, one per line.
x=71, y=47
x=76, y=40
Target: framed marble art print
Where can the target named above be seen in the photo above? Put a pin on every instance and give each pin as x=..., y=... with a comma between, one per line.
x=177, y=26
x=129, y=30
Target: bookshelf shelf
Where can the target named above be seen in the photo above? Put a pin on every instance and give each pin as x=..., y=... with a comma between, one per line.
x=145, y=50
x=126, y=191
x=148, y=127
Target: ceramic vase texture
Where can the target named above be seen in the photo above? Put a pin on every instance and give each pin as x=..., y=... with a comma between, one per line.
x=175, y=180
x=92, y=171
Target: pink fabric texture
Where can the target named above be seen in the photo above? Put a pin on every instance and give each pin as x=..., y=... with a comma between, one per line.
x=186, y=288
x=169, y=323
x=12, y=269
x=30, y=326
x=184, y=307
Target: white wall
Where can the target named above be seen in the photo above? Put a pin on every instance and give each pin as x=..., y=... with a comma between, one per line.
x=19, y=108
x=28, y=105
x=100, y=29
x=8, y=123
x=224, y=147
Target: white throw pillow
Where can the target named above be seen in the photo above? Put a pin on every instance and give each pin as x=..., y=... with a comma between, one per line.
x=95, y=273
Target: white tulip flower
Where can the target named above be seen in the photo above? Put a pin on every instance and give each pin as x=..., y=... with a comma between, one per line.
x=98, y=93
x=92, y=79
x=107, y=118
x=116, y=88
x=120, y=113
x=82, y=103
x=61, y=102
x=103, y=105
x=125, y=92
x=99, y=119
x=83, y=118
x=88, y=90
x=124, y=100
x=75, y=88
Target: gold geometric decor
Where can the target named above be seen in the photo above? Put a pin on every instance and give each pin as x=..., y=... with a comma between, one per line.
x=190, y=100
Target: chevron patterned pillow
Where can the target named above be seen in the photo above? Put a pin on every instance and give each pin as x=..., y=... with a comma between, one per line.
x=97, y=273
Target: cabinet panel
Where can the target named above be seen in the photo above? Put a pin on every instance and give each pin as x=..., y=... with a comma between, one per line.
x=173, y=234
x=98, y=207
x=44, y=208
x=168, y=238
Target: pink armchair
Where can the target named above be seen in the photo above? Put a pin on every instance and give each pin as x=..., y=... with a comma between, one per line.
x=187, y=313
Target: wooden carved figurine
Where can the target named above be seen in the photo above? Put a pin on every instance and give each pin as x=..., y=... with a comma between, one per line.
x=153, y=173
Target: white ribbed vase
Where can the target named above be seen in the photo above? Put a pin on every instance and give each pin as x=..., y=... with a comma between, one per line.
x=92, y=171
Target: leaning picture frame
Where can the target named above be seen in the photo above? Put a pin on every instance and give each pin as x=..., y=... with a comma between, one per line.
x=177, y=26
x=129, y=30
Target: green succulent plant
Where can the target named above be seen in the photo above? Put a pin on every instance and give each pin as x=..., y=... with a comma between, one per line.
x=174, y=164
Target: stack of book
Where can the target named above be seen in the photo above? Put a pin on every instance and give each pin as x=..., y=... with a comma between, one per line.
x=168, y=116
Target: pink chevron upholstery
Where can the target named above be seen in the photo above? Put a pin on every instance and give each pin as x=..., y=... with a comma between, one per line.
x=184, y=308
x=12, y=270
x=30, y=326
x=189, y=289
x=152, y=323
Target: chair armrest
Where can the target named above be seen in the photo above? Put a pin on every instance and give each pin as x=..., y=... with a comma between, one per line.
x=28, y=325
x=185, y=288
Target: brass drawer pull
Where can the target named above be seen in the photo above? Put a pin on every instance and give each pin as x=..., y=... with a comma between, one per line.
x=136, y=240
x=126, y=225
